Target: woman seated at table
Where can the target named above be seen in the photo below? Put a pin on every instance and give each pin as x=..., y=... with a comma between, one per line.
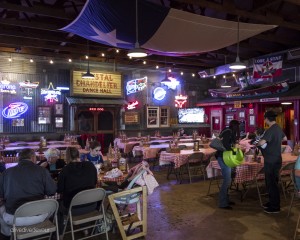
x=95, y=155
x=76, y=176
x=52, y=162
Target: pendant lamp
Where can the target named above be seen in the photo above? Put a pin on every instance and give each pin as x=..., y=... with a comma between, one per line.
x=88, y=74
x=166, y=79
x=237, y=65
x=137, y=51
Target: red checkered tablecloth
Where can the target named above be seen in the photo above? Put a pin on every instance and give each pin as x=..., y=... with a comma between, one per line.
x=247, y=171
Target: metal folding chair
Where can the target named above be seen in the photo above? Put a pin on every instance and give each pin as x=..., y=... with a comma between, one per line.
x=95, y=217
x=41, y=230
x=285, y=177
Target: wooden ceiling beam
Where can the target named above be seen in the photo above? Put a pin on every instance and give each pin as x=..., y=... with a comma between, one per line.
x=45, y=10
x=269, y=18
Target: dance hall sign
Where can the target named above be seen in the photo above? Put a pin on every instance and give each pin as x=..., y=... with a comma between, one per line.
x=103, y=85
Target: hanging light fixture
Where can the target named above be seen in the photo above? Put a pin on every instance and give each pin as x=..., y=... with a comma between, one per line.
x=88, y=74
x=166, y=79
x=225, y=84
x=137, y=51
x=237, y=65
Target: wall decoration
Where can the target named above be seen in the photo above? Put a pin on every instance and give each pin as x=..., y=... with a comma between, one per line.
x=44, y=115
x=242, y=114
x=59, y=122
x=50, y=93
x=27, y=88
x=228, y=118
x=131, y=118
x=172, y=84
x=103, y=85
x=14, y=110
x=136, y=85
x=132, y=105
x=252, y=120
x=59, y=110
x=180, y=101
x=6, y=87
x=18, y=122
x=159, y=93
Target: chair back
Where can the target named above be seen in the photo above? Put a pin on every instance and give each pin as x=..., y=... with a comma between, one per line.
x=35, y=208
x=196, y=157
x=88, y=196
x=289, y=166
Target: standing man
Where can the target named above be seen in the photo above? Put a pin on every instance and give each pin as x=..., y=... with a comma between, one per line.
x=271, y=150
x=20, y=184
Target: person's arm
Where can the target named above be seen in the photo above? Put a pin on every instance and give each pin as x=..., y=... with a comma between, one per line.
x=61, y=182
x=50, y=185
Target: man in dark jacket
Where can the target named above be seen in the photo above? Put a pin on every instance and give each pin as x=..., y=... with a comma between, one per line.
x=20, y=184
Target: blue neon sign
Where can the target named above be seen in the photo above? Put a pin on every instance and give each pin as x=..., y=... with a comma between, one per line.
x=15, y=110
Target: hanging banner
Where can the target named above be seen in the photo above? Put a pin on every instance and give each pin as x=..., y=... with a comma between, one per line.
x=103, y=85
x=267, y=67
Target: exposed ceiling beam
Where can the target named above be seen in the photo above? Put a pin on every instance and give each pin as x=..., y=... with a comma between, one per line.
x=46, y=10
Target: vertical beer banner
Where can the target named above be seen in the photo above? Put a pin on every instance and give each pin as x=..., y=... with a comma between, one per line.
x=105, y=84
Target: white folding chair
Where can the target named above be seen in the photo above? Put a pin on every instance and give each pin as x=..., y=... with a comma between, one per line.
x=95, y=217
x=40, y=230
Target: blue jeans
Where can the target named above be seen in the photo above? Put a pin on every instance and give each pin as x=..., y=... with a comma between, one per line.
x=226, y=173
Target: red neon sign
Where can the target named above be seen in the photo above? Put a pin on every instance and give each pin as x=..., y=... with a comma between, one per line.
x=180, y=100
x=132, y=105
x=96, y=109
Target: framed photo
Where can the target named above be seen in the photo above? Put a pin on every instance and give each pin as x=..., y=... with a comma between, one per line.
x=242, y=114
x=252, y=120
x=44, y=115
x=59, y=122
x=228, y=118
x=19, y=122
x=59, y=110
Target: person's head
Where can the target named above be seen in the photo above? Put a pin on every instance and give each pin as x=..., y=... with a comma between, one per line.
x=72, y=154
x=27, y=154
x=52, y=154
x=95, y=148
x=270, y=116
x=234, y=125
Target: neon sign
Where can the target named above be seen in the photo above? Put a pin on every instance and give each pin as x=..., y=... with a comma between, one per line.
x=159, y=93
x=180, y=100
x=172, y=84
x=27, y=88
x=136, y=85
x=50, y=93
x=132, y=105
x=6, y=87
x=15, y=110
x=96, y=109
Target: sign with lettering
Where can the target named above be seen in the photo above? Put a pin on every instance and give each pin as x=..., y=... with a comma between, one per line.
x=15, y=110
x=50, y=93
x=136, y=85
x=269, y=99
x=237, y=104
x=96, y=109
x=103, y=85
x=27, y=88
x=6, y=87
x=131, y=118
x=132, y=105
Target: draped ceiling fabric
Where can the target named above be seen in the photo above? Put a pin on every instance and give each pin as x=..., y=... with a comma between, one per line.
x=161, y=30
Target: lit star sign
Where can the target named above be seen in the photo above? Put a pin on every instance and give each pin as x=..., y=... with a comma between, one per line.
x=50, y=93
x=180, y=100
x=132, y=105
x=6, y=87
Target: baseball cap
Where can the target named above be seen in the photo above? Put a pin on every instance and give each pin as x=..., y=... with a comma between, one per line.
x=270, y=114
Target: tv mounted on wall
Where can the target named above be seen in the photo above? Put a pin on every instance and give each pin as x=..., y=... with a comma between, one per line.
x=191, y=115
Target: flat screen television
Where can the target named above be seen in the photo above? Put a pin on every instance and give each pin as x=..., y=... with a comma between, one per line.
x=191, y=115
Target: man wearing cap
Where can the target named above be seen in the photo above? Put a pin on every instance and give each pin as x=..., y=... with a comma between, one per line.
x=270, y=144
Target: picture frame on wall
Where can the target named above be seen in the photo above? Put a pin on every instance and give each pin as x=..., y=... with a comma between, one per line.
x=242, y=114
x=252, y=120
x=44, y=114
x=59, y=109
x=228, y=118
x=59, y=122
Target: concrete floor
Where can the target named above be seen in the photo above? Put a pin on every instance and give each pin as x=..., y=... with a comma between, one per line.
x=185, y=212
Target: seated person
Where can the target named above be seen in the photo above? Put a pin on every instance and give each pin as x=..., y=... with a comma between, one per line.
x=76, y=176
x=95, y=156
x=20, y=184
x=52, y=162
